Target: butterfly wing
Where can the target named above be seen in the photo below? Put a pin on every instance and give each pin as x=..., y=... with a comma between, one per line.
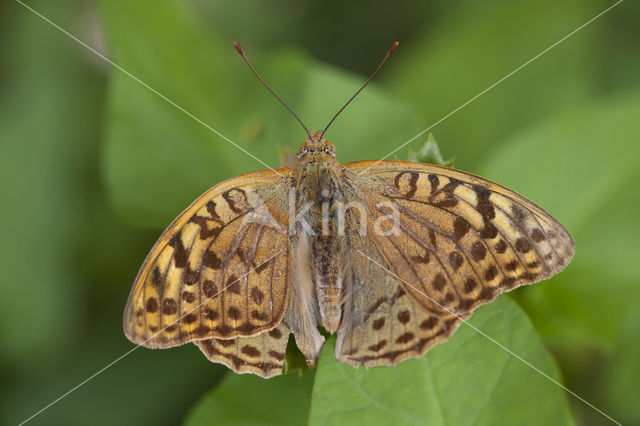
x=460, y=241
x=220, y=270
x=262, y=354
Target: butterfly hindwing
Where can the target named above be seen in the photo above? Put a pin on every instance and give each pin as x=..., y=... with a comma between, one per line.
x=262, y=354
x=383, y=323
x=220, y=270
x=461, y=240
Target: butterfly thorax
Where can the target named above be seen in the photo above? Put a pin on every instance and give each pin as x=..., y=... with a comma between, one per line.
x=318, y=178
x=318, y=198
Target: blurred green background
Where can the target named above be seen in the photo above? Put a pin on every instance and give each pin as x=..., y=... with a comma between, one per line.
x=93, y=166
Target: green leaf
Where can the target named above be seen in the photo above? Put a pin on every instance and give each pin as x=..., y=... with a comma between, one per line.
x=158, y=159
x=474, y=45
x=623, y=378
x=375, y=123
x=156, y=387
x=430, y=153
x=294, y=360
x=580, y=166
x=467, y=380
x=50, y=101
x=251, y=400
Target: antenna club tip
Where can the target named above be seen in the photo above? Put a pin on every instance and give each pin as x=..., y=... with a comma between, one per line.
x=238, y=47
x=394, y=46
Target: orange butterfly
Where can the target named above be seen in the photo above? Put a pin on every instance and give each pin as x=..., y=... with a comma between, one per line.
x=390, y=255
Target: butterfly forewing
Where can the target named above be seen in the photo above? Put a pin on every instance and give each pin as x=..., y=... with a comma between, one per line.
x=461, y=241
x=220, y=270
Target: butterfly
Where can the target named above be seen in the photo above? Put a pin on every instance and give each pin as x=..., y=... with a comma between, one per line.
x=390, y=255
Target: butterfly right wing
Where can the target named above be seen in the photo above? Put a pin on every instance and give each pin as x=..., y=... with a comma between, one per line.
x=461, y=241
x=382, y=323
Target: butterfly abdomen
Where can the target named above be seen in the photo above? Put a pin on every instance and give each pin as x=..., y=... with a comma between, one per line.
x=328, y=277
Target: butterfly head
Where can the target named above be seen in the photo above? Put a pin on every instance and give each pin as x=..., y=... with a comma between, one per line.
x=316, y=149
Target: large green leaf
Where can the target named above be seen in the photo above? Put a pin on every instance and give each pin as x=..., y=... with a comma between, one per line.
x=50, y=104
x=470, y=48
x=144, y=388
x=467, y=380
x=158, y=159
x=623, y=381
x=251, y=400
x=580, y=166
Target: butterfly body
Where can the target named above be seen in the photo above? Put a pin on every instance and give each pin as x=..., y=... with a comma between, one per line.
x=319, y=188
x=389, y=255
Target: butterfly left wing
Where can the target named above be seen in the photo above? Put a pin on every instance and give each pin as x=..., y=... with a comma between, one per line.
x=461, y=240
x=262, y=354
x=220, y=270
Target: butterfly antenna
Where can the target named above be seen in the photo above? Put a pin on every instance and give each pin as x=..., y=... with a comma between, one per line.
x=389, y=52
x=241, y=52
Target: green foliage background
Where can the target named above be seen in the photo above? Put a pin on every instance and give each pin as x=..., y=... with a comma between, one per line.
x=93, y=166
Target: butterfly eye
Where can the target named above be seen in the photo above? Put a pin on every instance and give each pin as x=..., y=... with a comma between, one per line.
x=329, y=151
x=302, y=151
